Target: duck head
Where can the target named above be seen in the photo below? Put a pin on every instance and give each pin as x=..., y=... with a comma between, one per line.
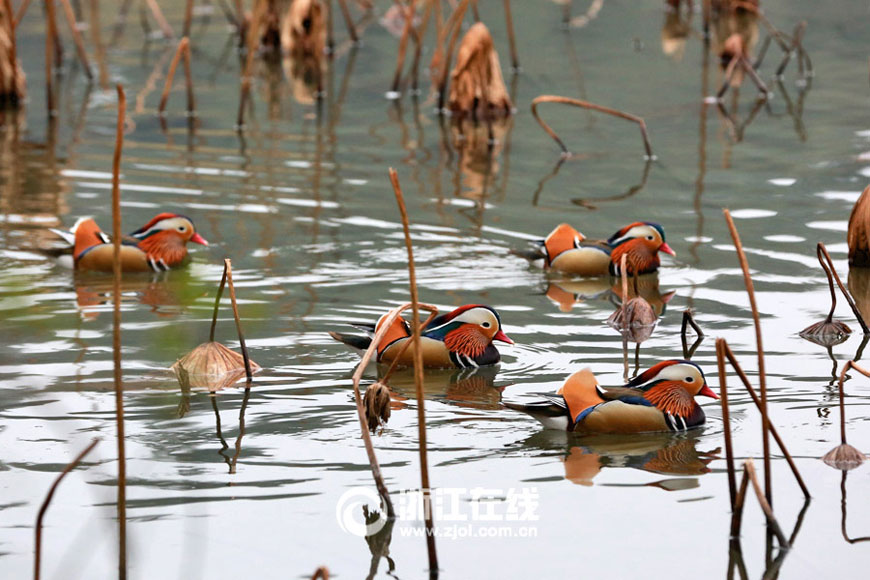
x=672, y=385
x=562, y=239
x=468, y=330
x=165, y=238
x=641, y=241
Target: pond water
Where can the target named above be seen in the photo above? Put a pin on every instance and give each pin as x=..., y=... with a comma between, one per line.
x=247, y=482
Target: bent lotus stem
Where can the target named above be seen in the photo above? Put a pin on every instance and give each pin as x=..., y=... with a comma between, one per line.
x=418, y=376
x=452, y=27
x=251, y=37
x=183, y=49
x=116, y=332
x=370, y=352
x=820, y=256
x=418, y=34
x=37, y=557
x=161, y=20
x=762, y=377
x=77, y=38
x=822, y=250
x=592, y=106
x=509, y=22
x=403, y=42
x=749, y=469
x=732, y=360
x=228, y=272
x=726, y=421
x=348, y=20
x=849, y=365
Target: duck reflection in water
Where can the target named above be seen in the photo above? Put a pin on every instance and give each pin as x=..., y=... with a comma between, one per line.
x=568, y=292
x=471, y=387
x=165, y=298
x=659, y=453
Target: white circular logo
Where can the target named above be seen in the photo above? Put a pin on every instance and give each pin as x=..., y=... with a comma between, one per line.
x=351, y=516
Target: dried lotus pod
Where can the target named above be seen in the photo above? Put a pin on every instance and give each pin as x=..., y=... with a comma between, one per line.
x=476, y=83
x=826, y=333
x=377, y=405
x=303, y=29
x=636, y=320
x=844, y=457
x=211, y=365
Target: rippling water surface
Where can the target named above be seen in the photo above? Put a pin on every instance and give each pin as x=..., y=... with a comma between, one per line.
x=246, y=482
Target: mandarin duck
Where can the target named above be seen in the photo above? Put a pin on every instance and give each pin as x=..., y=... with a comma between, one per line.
x=659, y=399
x=462, y=338
x=157, y=246
x=567, y=250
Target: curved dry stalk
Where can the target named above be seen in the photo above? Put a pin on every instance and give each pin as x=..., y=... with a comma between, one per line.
x=726, y=421
x=251, y=35
x=116, y=332
x=418, y=377
x=77, y=38
x=348, y=20
x=512, y=41
x=419, y=34
x=21, y=11
x=52, y=43
x=183, y=49
x=228, y=272
x=762, y=378
x=37, y=558
x=403, y=42
x=732, y=360
x=821, y=248
x=161, y=20
x=360, y=408
x=749, y=470
x=587, y=105
x=451, y=27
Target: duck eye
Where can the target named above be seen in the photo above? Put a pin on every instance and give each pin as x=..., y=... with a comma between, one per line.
x=485, y=324
x=690, y=380
x=650, y=238
x=181, y=228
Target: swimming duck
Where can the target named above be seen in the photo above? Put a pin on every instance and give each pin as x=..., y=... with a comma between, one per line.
x=157, y=246
x=567, y=250
x=461, y=338
x=659, y=399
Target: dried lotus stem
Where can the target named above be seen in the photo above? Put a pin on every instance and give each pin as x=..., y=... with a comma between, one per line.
x=587, y=105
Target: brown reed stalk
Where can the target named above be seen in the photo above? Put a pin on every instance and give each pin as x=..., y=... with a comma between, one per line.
x=188, y=81
x=77, y=38
x=737, y=510
x=587, y=105
x=732, y=360
x=188, y=18
x=251, y=38
x=820, y=248
x=322, y=573
x=360, y=408
x=54, y=31
x=217, y=303
x=21, y=11
x=795, y=47
x=161, y=20
x=98, y=43
x=50, y=50
x=348, y=20
x=726, y=421
x=228, y=271
x=749, y=469
x=762, y=378
x=116, y=333
x=689, y=320
x=183, y=49
x=418, y=376
x=452, y=27
x=419, y=34
x=512, y=41
x=403, y=42
x=37, y=558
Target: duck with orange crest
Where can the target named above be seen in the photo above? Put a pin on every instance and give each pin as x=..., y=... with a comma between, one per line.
x=159, y=245
x=659, y=399
x=567, y=250
x=459, y=339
